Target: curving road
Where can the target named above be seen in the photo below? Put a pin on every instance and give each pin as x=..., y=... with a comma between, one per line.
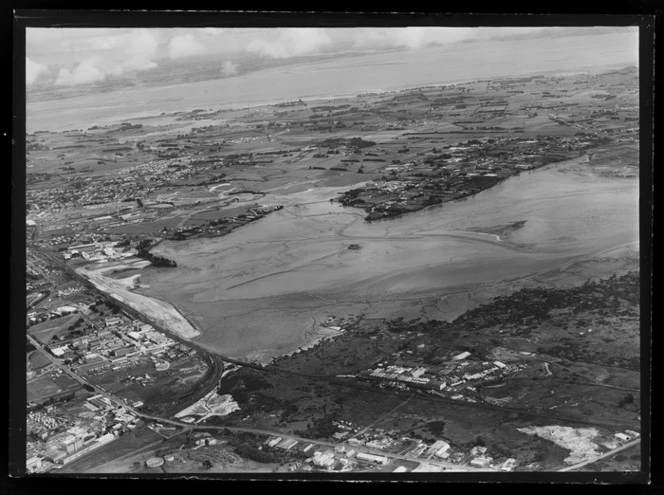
x=600, y=457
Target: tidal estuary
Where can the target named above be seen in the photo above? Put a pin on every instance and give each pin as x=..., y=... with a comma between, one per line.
x=261, y=290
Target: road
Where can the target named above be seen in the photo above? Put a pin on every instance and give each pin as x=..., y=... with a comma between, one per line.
x=215, y=362
x=532, y=413
x=603, y=456
x=187, y=426
x=75, y=376
x=447, y=466
x=46, y=293
x=218, y=359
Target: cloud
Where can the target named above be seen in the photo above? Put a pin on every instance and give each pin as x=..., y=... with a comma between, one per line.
x=95, y=54
x=73, y=40
x=86, y=72
x=229, y=68
x=212, y=31
x=114, y=56
x=411, y=37
x=184, y=45
x=33, y=70
x=145, y=41
x=141, y=50
x=421, y=37
x=291, y=42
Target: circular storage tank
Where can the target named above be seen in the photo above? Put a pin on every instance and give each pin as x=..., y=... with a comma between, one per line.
x=154, y=462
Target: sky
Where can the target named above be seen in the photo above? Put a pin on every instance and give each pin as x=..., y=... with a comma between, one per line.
x=76, y=56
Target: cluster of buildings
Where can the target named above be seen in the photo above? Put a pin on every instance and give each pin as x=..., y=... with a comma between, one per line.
x=63, y=207
x=68, y=237
x=416, y=449
x=98, y=252
x=339, y=458
x=404, y=376
x=79, y=193
x=391, y=441
x=476, y=457
x=377, y=439
x=101, y=190
x=59, y=434
x=450, y=376
x=65, y=424
x=352, y=454
x=67, y=291
x=331, y=460
x=67, y=420
x=119, y=343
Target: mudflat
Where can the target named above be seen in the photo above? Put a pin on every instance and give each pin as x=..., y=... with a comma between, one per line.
x=263, y=289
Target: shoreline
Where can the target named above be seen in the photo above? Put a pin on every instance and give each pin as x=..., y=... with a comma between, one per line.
x=582, y=158
x=311, y=337
x=487, y=237
x=231, y=106
x=163, y=313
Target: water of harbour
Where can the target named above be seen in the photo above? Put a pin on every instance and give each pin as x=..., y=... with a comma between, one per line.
x=265, y=286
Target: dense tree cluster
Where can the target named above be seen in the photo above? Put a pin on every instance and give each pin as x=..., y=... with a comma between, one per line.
x=535, y=304
x=157, y=260
x=323, y=427
x=142, y=252
x=247, y=451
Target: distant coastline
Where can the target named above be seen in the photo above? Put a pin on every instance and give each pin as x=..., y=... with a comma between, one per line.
x=318, y=81
x=234, y=106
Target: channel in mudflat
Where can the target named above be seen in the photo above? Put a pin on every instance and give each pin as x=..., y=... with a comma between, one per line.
x=264, y=289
